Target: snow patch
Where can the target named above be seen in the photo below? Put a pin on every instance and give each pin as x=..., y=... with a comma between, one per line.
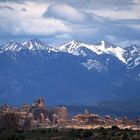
x=94, y=64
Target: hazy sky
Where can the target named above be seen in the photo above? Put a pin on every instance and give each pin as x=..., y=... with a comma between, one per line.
x=56, y=21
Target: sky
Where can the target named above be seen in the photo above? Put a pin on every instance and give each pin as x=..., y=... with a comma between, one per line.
x=59, y=21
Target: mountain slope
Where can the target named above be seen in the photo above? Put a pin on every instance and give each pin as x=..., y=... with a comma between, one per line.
x=13, y=46
x=133, y=56
x=72, y=73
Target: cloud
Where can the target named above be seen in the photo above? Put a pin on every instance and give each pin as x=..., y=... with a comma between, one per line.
x=42, y=27
x=30, y=22
x=6, y=7
x=88, y=4
x=13, y=1
x=98, y=4
x=67, y=13
x=122, y=43
x=63, y=20
x=85, y=26
x=88, y=26
x=24, y=9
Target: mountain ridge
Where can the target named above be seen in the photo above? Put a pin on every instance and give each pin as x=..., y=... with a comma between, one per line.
x=67, y=76
x=130, y=55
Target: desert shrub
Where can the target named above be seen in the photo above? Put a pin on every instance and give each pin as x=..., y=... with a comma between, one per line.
x=81, y=133
x=48, y=130
x=115, y=127
x=19, y=131
x=54, y=130
x=75, y=132
x=16, y=137
x=33, y=131
x=86, y=133
x=42, y=131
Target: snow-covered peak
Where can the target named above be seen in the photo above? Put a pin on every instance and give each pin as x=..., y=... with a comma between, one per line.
x=72, y=47
x=35, y=44
x=104, y=47
x=31, y=45
x=108, y=48
x=67, y=47
x=12, y=46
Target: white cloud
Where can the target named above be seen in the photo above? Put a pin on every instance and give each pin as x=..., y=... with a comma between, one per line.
x=30, y=22
x=63, y=20
x=121, y=43
x=33, y=10
x=67, y=13
x=34, y=27
x=44, y=27
x=136, y=1
x=118, y=14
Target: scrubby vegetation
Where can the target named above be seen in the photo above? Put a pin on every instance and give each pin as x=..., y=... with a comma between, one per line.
x=113, y=133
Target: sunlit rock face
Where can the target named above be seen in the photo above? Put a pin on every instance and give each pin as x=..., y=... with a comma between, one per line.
x=62, y=114
x=39, y=110
x=42, y=114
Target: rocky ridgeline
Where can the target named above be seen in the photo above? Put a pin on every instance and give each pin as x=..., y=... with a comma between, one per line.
x=38, y=115
x=30, y=116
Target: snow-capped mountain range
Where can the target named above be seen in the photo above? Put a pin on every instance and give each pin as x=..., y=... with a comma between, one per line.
x=71, y=73
x=32, y=45
x=103, y=47
x=130, y=56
